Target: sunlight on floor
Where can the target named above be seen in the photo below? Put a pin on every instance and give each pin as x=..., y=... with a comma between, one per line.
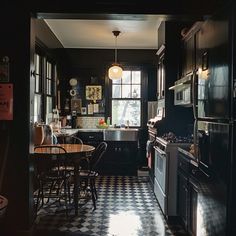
x=125, y=223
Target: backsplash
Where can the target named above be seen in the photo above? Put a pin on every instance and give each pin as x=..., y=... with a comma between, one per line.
x=88, y=122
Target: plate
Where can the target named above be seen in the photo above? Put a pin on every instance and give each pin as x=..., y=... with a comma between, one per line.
x=73, y=82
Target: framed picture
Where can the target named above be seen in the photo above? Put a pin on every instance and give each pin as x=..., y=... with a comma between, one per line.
x=90, y=109
x=93, y=92
x=76, y=105
x=84, y=110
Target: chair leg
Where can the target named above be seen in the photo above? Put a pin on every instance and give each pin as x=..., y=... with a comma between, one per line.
x=93, y=195
x=65, y=195
x=95, y=190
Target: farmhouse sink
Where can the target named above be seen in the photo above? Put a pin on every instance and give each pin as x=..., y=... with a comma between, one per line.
x=120, y=134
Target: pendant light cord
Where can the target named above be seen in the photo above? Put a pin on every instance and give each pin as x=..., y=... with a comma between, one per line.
x=116, y=34
x=116, y=50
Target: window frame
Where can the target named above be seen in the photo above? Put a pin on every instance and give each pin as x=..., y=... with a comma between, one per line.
x=45, y=58
x=128, y=68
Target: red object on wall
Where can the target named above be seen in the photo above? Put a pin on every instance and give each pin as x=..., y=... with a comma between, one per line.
x=6, y=101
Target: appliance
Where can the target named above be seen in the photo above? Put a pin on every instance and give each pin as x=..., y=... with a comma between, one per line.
x=165, y=171
x=213, y=126
x=183, y=90
x=115, y=72
x=152, y=134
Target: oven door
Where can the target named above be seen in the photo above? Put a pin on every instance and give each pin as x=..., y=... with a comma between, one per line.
x=160, y=183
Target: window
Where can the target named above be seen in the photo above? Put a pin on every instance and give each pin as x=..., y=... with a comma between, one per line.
x=45, y=87
x=126, y=99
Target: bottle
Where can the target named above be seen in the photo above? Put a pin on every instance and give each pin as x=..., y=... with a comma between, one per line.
x=108, y=121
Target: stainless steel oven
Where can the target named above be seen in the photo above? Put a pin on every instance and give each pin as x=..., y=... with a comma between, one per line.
x=161, y=174
x=165, y=174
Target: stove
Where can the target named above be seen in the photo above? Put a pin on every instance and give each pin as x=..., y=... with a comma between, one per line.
x=165, y=170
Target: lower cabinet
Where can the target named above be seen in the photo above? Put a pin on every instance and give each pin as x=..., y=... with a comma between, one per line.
x=119, y=159
x=183, y=198
x=193, y=198
x=187, y=195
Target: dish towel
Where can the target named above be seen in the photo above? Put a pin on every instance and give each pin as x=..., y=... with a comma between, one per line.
x=149, y=146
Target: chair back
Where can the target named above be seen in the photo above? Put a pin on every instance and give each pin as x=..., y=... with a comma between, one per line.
x=47, y=157
x=71, y=140
x=97, y=155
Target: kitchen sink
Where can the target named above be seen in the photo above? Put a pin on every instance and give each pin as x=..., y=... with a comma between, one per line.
x=120, y=134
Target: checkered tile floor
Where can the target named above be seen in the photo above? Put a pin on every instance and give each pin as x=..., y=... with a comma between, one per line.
x=126, y=206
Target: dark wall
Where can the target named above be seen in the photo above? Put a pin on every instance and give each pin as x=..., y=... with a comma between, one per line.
x=89, y=64
x=15, y=43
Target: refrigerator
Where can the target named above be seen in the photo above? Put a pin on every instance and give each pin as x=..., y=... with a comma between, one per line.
x=213, y=126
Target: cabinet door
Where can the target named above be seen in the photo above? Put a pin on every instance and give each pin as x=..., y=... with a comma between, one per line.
x=188, y=55
x=182, y=198
x=193, y=197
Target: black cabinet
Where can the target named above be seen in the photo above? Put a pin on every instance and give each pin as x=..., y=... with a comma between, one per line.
x=183, y=193
x=120, y=158
x=182, y=197
x=188, y=55
x=91, y=137
x=193, y=199
x=187, y=199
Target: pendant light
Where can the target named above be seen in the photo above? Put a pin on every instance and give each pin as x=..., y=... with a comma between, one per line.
x=115, y=71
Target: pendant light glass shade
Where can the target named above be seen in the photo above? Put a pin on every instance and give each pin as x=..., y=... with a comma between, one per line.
x=115, y=71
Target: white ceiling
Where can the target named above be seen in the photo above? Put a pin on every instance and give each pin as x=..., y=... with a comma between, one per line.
x=83, y=33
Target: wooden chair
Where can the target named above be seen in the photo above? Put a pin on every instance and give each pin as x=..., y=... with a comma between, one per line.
x=88, y=172
x=51, y=174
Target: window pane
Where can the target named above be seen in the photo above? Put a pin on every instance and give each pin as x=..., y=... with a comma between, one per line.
x=49, y=105
x=126, y=91
x=116, y=81
x=49, y=70
x=123, y=110
x=136, y=91
x=36, y=83
x=37, y=108
x=116, y=91
x=136, y=77
x=37, y=66
x=126, y=77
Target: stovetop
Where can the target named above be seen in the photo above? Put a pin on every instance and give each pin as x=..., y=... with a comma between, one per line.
x=170, y=140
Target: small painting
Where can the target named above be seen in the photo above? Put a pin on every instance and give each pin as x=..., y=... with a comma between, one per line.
x=76, y=105
x=94, y=92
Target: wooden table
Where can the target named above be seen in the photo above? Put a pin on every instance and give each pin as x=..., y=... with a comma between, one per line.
x=75, y=152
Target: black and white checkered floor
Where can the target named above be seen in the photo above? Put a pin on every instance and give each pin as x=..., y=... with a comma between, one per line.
x=126, y=206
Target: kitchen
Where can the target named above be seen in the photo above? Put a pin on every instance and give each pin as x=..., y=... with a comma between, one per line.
x=169, y=123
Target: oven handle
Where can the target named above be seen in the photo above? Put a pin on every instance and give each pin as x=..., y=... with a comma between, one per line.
x=162, y=153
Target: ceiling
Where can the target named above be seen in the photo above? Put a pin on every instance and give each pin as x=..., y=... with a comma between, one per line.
x=136, y=33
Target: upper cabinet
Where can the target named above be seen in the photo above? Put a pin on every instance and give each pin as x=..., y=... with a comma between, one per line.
x=168, y=55
x=189, y=41
x=188, y=54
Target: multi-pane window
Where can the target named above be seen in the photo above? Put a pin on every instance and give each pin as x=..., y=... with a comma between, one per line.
x=126, y=99
x=45, y=88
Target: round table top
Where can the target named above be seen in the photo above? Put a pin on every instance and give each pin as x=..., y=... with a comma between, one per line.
x=70, y=148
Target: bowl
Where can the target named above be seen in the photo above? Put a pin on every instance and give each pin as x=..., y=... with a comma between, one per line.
x=102, y=126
